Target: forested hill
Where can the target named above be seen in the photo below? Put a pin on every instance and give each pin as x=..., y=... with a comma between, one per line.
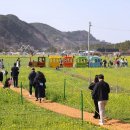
x=14, y=31
x=65, y=39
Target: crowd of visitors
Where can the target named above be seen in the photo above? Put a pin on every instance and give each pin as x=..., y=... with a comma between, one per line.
x=37, y=80
x=117, y=62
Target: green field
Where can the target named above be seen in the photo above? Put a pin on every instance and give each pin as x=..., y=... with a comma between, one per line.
x=14, y=116
x=77, y=80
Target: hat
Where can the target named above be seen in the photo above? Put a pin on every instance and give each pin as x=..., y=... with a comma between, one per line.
x=33, y=68
x=101, y=76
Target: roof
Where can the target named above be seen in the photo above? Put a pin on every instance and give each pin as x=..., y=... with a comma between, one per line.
x=50, y=57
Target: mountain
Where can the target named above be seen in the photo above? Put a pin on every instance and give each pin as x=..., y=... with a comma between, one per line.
x=55, y=37
x=65, y=39
x=14, y=32
x=81, y=37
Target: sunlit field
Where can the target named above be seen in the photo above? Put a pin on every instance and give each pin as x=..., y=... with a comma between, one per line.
x=77, y=80
x=14, y=116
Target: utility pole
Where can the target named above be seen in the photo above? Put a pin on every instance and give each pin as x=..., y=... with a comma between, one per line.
x=89, y=42
x=88, y=37
x=4, y=44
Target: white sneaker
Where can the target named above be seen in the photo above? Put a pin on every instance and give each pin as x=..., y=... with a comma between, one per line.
x=100, y=123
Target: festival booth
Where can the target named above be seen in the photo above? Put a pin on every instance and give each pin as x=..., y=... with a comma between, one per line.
x=94, y=61
x=55, y=61
x=81, y=61
x=40, y=63
x=68, y=61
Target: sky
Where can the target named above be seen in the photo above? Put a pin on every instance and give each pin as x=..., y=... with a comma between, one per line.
x=110, y=19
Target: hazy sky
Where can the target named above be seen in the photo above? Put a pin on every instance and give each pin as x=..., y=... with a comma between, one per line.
x=110, y=18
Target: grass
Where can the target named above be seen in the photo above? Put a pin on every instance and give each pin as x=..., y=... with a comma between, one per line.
x=14, y=116
x=118, y=78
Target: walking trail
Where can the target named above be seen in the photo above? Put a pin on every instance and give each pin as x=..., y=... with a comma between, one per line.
x=72, y=112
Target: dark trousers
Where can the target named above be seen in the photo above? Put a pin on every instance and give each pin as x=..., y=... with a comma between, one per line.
x=36, y=92
x=96, y=109
x=30, y=88
x=39, y=92
x=15, y=80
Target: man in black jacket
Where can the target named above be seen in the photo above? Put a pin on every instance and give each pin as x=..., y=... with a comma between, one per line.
x=91, y=87
x=14, y=74
x=31, y=77
x=1, y=76
x=101, y=93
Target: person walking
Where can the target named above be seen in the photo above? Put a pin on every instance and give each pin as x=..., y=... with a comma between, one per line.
x=40, y=86
x=14, y=74
x=31, y=77
x=61, y=63
x=1, y=76
x=101, y=93
x=18, y=62
x=91, y=87
x=1, y=64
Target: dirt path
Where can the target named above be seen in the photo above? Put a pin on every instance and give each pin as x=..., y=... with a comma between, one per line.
x=72, y=112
